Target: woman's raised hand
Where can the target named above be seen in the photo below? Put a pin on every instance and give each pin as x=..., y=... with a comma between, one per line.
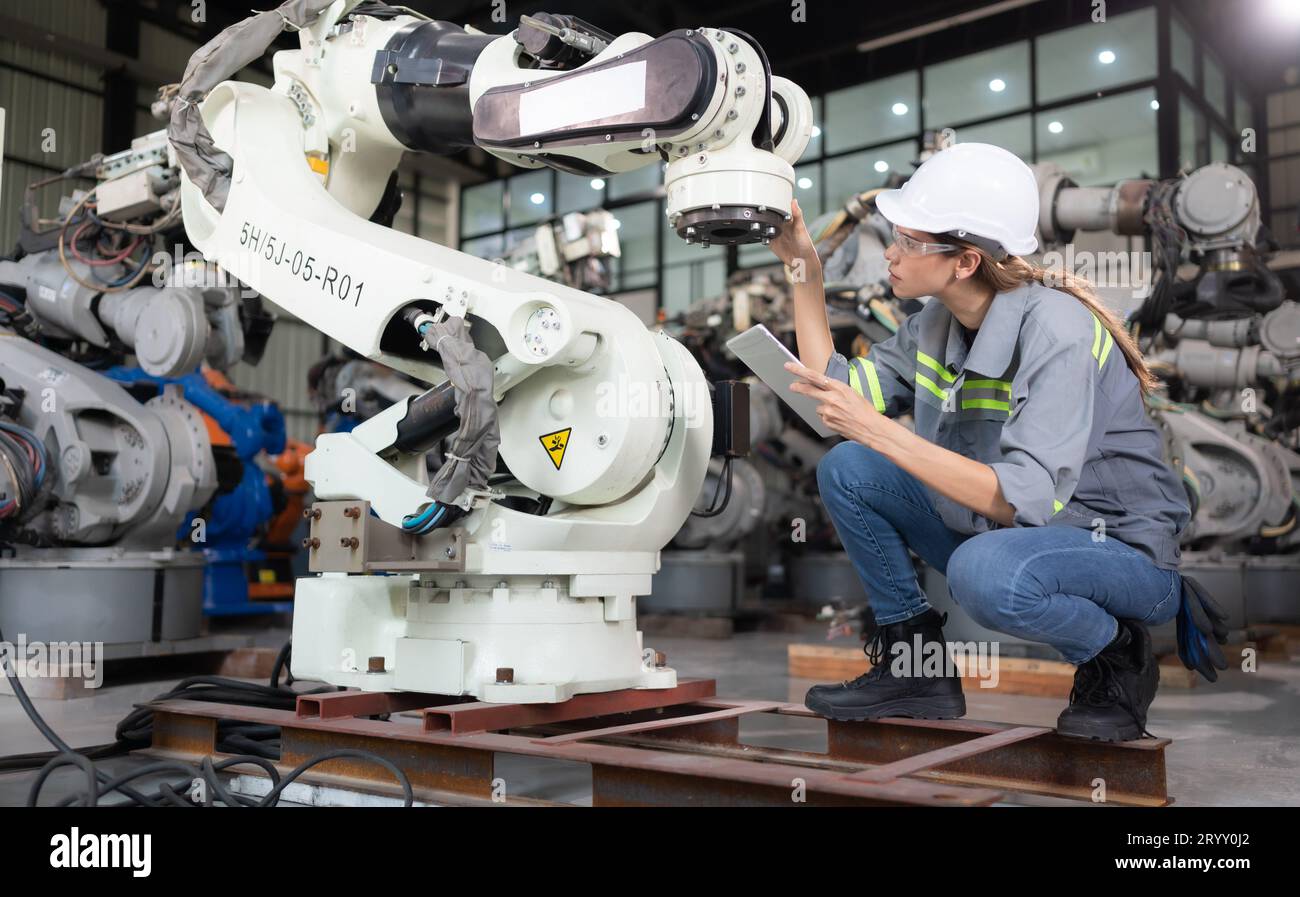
x=794, y=243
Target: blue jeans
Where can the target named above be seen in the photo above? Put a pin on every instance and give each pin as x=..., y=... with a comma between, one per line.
x=1051, y=584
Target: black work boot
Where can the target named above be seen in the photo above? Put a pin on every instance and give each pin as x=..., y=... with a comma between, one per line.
x=881, y=692
x=1113, y=690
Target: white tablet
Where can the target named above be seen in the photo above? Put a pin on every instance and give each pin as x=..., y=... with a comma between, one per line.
x=766, y=357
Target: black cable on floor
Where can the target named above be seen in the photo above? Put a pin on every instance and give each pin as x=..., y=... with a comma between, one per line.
x=136, y=729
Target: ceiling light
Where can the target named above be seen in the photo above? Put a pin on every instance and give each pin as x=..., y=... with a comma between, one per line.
x=805, y=183
x=597, y=183
x=899, y=108
x=1055, y=127
x=537, y=199
x=1106, y=57
x=881, y=166
x=997, y=85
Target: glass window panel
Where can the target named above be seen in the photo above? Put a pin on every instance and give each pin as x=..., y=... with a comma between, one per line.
x=1243, y=112
x=1218, y=147
x=1096, y=55
x=853, y=174
x=485, y=247
x=977, y=86
x=637, y=226
x=871, y=113
x=1216, y=87
x=1192, y=136
x=636, y=182
x=514, y=237
x=480, y=208
x=530, y=197
x=1183, y=49
x=1101, y=141
x=629, y=279
x=683, y=284
x=1012, y=134
x=574, y=193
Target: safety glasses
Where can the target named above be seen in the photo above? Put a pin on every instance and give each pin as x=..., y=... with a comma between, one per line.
x=911, y=246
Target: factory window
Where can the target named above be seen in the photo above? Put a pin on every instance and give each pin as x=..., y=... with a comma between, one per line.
x=702, y=277
x=1101, y=141
x=514, y=237
x=1243, y=112
x=848, y=175
x=1216, y=86
x=1182, y=49
x=638, y=228
x=1098, y=55
x=978, y=86
x=636, y=183
x=871, y=113
x=1218, y=147
x=1013, y=134
x=578, y=193
x=491, y=247
x=1193, y=136
x=481, y=208
x=530, y=197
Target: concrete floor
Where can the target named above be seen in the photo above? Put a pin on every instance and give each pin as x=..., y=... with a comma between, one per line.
x=1236, y=742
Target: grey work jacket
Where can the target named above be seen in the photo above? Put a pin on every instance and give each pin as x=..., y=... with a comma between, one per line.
x=1043, y=397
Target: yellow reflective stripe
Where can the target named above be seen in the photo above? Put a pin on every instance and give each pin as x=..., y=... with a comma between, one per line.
x=991, y=404
x=934, y=366
x=1056, y=506
x=1110, y=342
x=854, y=380
x=1003, y=385
x=925, y=381
x=1096, y=336
x=873, y=383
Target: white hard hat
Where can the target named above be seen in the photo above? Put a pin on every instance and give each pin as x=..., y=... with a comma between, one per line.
x=970, y=190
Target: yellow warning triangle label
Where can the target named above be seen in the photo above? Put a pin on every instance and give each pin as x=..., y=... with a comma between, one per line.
x=555, y=444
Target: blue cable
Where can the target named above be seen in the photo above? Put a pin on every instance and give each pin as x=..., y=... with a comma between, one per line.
x=420, y=526
x=415, y=521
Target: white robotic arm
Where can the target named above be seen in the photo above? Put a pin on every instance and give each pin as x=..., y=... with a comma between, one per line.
x=610, y=425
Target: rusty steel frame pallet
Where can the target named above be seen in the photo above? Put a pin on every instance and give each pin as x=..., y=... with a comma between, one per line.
x=678, y=747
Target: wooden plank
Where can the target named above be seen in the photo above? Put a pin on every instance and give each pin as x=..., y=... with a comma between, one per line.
x=1015, y=675
x=248, y=663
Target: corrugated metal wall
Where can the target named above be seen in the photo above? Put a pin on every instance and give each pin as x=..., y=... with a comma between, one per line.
x=42, y=90
x=1284, y=165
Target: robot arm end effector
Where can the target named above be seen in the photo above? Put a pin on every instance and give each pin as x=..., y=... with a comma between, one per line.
x=703, y=101
x=560, y=93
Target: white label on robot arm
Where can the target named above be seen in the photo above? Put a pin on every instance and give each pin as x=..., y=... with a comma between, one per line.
x=766, y=357
x=601, y=94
